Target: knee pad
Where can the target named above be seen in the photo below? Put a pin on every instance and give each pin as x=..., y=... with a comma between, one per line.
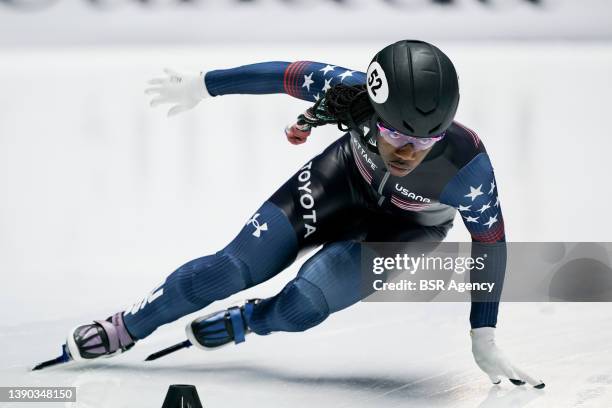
x=301, y=305
x=211, y=278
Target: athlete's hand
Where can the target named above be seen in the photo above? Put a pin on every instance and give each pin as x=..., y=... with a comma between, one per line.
x=297, y=134
x=494, y=363
x=182, y=90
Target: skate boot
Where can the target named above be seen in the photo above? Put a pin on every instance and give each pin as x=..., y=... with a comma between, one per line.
x=102, y=338
x=221, y=328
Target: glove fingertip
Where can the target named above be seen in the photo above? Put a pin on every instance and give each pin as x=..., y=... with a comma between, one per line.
x=517, y=382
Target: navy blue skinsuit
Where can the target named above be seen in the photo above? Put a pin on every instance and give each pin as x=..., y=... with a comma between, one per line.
x=341, y=197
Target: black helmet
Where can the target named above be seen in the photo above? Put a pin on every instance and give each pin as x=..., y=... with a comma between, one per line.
x=413, y=88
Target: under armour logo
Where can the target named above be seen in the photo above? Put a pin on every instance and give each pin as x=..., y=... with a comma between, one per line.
x=155, y=293
x=258, y=227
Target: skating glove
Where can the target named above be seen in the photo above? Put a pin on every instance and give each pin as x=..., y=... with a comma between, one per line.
x=493, y=362
x=182, y=90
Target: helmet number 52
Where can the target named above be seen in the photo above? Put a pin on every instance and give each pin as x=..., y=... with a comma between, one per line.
x=378, y=89
x=374, y=82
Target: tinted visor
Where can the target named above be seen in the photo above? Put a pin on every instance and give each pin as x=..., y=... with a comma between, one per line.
x=399, y=140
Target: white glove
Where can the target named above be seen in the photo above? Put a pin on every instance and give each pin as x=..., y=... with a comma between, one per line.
x=493, y=362
x=183, y=90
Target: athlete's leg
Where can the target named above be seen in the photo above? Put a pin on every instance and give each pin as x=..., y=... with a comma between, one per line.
x=329, y=281
x=296, y=217
x=265, y=246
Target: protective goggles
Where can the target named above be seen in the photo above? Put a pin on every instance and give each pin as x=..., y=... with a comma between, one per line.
x=399, y=140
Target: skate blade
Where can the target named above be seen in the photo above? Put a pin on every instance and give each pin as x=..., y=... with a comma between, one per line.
x=63, y=359
x=169, y=350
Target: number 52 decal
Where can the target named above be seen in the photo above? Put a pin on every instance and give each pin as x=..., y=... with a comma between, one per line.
x=377, y=83
x=374, y=81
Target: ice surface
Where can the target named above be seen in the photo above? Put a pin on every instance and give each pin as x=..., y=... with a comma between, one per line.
x=371, y=355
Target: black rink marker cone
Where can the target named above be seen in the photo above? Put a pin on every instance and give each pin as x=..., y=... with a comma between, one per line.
x=182, y=396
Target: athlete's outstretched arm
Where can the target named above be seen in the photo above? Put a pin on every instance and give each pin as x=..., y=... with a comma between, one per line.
x=305, y=80
x=473, y=191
